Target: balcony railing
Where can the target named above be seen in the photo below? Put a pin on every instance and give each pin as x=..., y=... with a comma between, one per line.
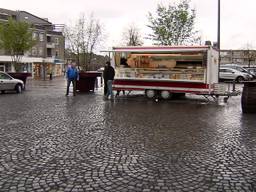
x=50, y=45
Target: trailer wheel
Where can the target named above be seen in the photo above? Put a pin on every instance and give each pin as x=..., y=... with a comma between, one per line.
x=166, y=94
x=150, y=93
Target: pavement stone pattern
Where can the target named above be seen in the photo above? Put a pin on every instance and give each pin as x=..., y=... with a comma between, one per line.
x=50, y=142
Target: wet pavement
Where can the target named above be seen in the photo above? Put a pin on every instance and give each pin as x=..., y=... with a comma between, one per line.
x=50, y=142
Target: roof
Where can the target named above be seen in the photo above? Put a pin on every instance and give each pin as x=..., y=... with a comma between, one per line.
x=25, y=16
x=7, y=11
x=160, y=48
x=33, y=18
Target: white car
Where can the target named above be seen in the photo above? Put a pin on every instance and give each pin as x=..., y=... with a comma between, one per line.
x=237, y=67
x=8, y=83
x=233, y=74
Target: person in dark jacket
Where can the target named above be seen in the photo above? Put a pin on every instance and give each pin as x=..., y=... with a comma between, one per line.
x=72, y=76
x=108, y=75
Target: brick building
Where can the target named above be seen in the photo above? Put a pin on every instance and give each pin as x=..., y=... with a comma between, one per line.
x=47, y=56
x=246, y=58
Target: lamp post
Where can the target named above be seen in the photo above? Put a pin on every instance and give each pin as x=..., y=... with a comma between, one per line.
x=44, y=70
x=218, y=38
x=218, y=43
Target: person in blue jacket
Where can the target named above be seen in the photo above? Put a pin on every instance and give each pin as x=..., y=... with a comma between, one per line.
x=72, y=76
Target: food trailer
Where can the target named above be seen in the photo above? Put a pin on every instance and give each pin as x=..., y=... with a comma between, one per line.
x=163, y=71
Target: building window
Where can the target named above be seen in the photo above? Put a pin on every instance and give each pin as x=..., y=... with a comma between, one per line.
x=41, y=51
x=3, y=16
x=41, y=37
x=34, y=51
x=48, y=39
x=49, y=52
x=35, y=35
x=57, y=41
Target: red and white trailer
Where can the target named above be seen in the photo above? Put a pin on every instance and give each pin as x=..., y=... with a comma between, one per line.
x=166, y=70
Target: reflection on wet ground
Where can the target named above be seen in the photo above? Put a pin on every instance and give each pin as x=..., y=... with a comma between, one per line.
x=49, y=142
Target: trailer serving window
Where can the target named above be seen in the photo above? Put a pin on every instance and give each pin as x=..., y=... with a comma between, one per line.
x=171, y=66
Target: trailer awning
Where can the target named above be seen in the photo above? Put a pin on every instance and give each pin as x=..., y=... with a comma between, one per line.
x=141, y=49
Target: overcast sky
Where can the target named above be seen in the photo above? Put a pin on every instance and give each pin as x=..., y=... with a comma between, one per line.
x=238, y=17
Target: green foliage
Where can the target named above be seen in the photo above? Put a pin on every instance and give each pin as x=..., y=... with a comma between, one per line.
x=16, y=38
x=173, y=25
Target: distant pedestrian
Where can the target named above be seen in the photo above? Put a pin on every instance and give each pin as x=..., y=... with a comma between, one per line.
x=64, y=72
x=108, y=75
x=72, y=76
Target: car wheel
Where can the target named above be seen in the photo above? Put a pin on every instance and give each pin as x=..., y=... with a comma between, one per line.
x=239, y=79
x=18, y=88
x=3, y=91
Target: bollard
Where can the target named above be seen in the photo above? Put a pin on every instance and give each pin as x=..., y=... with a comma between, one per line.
x=234, y=86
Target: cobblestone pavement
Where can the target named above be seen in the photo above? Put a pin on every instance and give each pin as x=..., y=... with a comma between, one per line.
x=49, y=142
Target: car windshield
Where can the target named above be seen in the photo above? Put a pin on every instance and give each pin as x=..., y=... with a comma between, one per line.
x=241, y=70
x=4, y=76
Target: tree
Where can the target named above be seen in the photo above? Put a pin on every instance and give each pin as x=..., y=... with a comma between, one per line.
x=132, y=37
x=73, y=41
x=15, y=39
x=249, y=54
x=173, y=25
x=83, y=38
x=94, y=34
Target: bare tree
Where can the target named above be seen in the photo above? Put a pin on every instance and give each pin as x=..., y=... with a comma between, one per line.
x=132, y=36
x=72, y=35
x=94, y=37
x=249, y=53
x=83, y=39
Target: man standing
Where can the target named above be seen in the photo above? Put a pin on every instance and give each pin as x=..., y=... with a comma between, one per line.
x=108, y=75
x=72, y=76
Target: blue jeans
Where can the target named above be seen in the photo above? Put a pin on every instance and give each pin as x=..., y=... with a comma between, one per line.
x=74, y=86
x=110, y=91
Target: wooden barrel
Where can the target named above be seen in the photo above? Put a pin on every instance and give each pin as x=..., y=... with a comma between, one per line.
x=248, y=99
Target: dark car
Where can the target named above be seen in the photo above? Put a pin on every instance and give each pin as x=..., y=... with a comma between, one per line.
x=252, y=72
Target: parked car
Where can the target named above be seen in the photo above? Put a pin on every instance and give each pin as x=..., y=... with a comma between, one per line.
x=234, y=74
x=238, y=67
x=252, y=71
x=8, y=83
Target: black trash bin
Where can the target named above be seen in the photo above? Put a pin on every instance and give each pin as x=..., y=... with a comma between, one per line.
x=86, y=82
x=248, y=100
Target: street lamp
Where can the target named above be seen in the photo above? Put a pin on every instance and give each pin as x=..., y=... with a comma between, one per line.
x=44, y=70
x=218, y=41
